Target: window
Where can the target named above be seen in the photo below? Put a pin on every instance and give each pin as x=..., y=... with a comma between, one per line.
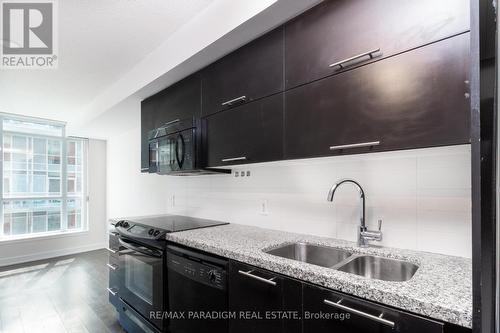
x=43, y=188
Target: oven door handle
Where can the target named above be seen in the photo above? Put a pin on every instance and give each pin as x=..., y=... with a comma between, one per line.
x=140, y=249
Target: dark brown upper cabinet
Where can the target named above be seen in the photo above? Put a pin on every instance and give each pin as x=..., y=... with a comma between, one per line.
x=338, y=30
x=249, y=133
x=412, y=100
x=149, y=108
x=249, y=73
x=178, y=102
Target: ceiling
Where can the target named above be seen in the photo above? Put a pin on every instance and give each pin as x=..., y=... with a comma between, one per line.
x=113, y=53
x=99, y=40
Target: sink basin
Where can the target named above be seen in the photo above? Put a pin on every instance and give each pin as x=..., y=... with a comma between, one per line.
x=380, y=268
x=312, y=254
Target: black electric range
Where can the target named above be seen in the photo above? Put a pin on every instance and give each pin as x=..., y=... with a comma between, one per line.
x=139, y=268
x=155, y=227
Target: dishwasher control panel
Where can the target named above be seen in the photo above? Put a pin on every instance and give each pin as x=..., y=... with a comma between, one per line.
x=197, y=270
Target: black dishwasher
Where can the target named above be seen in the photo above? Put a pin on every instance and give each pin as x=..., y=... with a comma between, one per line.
x=197, y=292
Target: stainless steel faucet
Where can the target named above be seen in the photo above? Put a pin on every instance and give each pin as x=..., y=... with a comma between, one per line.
x=364, y=235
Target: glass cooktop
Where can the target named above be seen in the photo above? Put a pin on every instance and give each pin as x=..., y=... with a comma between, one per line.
x=170, y=223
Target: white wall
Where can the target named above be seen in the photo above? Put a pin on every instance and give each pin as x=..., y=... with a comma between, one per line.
x=40, y=248
x=131, y=193
x=423, y=196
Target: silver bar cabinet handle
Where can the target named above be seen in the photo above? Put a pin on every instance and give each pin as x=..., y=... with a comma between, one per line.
x=112, y=291
x=157, y=133
x=242, y=158
x=355, y=145
x=112, y=251
x=258, y=278
x=378, y=319
x=341, y=63
x=235, y=100
x=171, y=122
x=112, y=267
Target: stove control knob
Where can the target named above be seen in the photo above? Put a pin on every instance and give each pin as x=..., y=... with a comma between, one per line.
x=212, y=276
x=125, y=224
x=150, y=232
x=157, y=232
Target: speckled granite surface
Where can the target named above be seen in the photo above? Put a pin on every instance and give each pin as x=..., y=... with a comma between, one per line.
x=441, y=288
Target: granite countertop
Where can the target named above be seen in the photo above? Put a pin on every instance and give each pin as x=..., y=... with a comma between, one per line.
x=440, y=289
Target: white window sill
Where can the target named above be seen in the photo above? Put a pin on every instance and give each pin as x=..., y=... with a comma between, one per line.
x=48, y=235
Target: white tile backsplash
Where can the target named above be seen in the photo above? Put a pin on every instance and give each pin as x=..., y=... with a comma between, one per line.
x=423, y=197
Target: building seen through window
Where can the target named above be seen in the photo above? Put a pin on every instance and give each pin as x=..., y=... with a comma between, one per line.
x=43, y=189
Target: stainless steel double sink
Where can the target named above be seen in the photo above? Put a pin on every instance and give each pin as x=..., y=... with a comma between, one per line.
x=368, y=266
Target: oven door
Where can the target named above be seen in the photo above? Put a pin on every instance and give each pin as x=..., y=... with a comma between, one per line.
x=140, y=278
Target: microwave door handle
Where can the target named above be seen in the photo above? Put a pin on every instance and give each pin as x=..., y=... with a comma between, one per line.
x=140, y=249
x=157, y=153
x=180, y=161
x=173, y=149
x=175, y=155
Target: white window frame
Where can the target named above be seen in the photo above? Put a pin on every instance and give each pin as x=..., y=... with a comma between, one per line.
x=64, y=181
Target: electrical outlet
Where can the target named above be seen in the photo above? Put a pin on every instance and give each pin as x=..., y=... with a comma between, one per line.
x=241, y=174
x=171, y=200
x=264, y=207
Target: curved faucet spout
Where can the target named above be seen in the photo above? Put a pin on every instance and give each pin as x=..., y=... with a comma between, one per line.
x=334, y=188
x=362, y=228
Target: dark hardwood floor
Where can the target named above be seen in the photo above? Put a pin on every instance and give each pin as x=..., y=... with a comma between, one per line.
x=64, y=294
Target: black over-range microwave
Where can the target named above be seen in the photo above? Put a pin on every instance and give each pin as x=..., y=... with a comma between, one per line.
x=176, y=149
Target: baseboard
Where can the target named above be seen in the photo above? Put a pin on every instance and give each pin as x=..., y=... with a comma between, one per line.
x=50, y=254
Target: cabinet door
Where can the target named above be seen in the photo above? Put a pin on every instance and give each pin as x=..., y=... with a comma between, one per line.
x=413, y=100
x=148, y=110
x=247, y=134
x=261, y=295
x=323, y=314
x=249, y=73
x=340, y=29
x=180, y=101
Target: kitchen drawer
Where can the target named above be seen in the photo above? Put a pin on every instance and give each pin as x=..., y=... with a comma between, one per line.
x=113, y=265
x=260, y=292
x=113, y=297
x=113, y=241
x=417, y=99
x=251, y=72
x=336, y=30
x=353, y=315
x=113, y=283
x=250, y=133
x=132, y=321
